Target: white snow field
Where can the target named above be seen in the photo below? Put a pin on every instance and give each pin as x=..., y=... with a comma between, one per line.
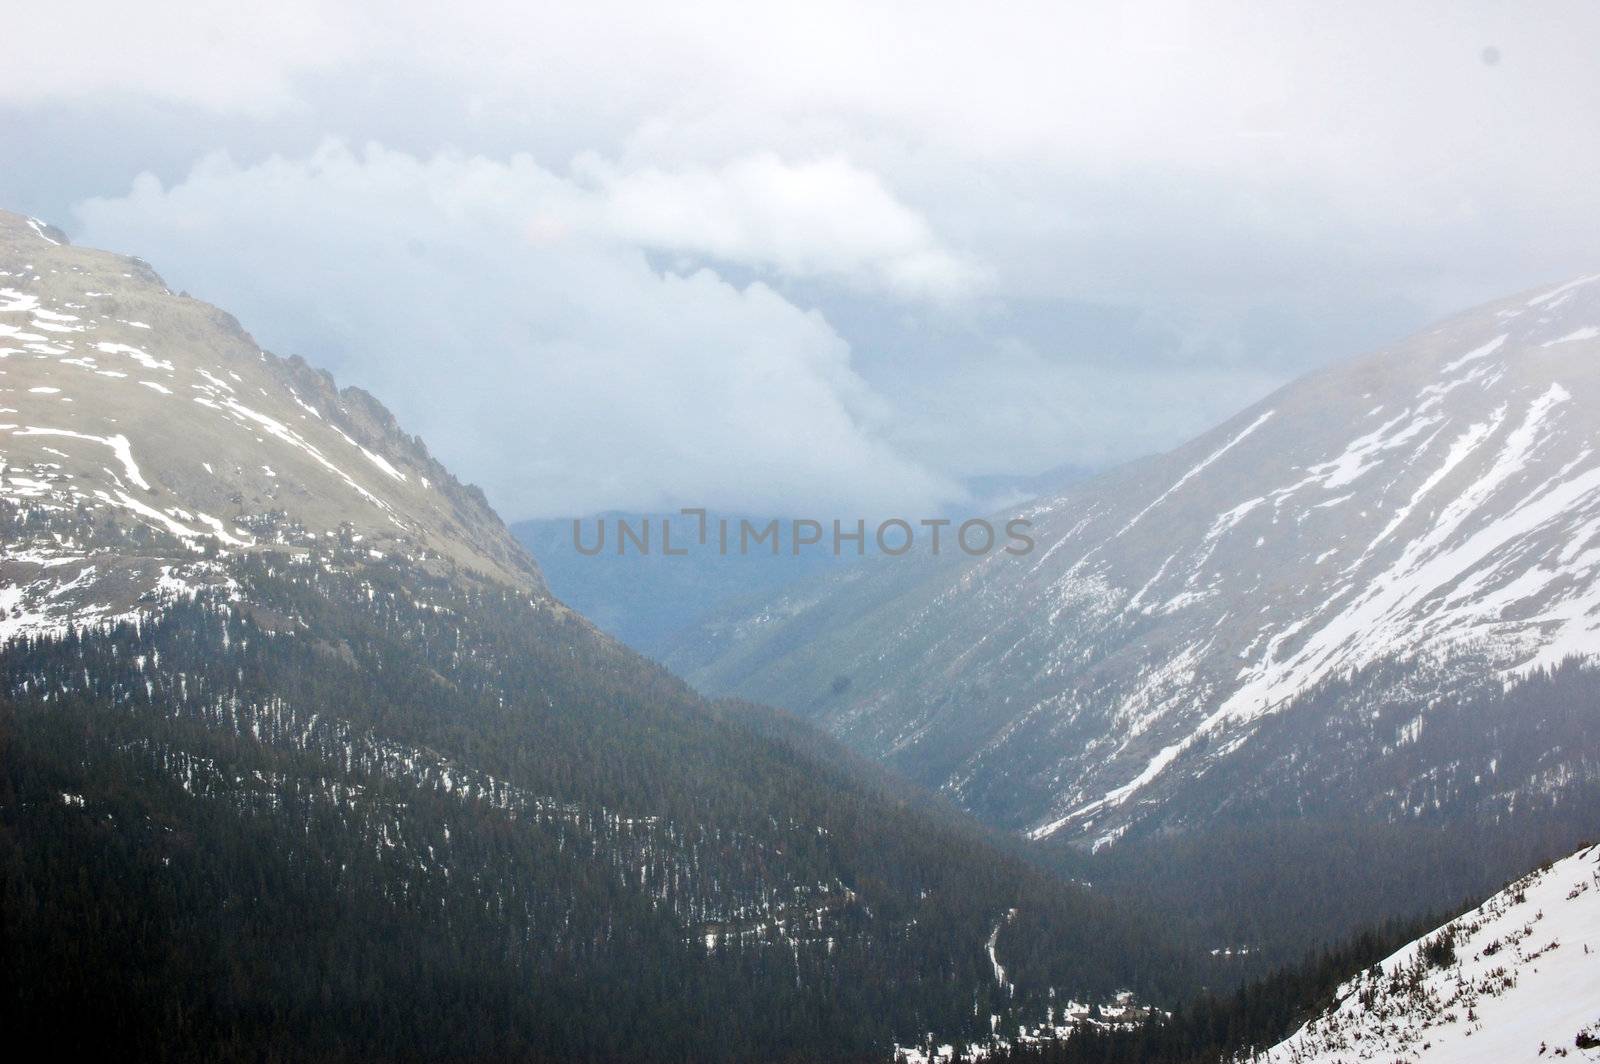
x=1523, y=984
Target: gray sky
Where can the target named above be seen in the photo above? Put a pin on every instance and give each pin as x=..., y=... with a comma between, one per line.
x=819, y=258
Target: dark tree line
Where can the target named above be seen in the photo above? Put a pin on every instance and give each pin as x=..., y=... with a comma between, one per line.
x=357, y=814
x=353, y=811
x=1215, y=1028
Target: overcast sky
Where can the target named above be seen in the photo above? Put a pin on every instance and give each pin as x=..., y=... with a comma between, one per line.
x=812, y=258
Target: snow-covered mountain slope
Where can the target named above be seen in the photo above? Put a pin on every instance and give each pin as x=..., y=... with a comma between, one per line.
x=1516, y=979
x=1431, y=511
x=122, y=402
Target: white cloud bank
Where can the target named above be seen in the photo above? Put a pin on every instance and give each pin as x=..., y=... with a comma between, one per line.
x=968, y=193
x=820, y=219
x=507, y=314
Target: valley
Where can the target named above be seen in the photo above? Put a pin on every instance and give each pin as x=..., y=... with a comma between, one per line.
x=288, y=715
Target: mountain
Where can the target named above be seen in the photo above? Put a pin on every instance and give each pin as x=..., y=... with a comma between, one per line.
x=300, y=759
x=119, y=397
x=1287, y=604
x=1516, y=979
x=1510, y=979
x=996, y=492
x=648, y=600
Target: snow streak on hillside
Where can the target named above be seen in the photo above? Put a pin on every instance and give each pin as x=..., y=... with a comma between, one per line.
x=1435, y=506
x=124, y=404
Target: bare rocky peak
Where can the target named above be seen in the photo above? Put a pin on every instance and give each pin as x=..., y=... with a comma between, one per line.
x=124, y=403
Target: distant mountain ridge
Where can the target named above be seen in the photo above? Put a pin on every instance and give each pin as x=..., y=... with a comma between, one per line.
x=649, y=601
x=1423, y=522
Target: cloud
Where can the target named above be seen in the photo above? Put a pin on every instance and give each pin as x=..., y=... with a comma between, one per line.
x=1022, y=410
x=494, y=307
x=971, y=197
x=206, y=55
x=819, y=219
x=1369, y=96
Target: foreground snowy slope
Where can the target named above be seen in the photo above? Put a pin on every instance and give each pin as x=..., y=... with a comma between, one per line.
x=123, y=402
x=1427, y=518
x=1516, y=979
